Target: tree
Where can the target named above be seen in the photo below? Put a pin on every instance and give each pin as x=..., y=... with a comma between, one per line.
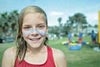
x=8, y=21
x=54, y=30
x=3, y=18
x=9, y=18
x=95, y=26
x=59, y=20
x=60, y=26
x=80, y=19
x=77, y=21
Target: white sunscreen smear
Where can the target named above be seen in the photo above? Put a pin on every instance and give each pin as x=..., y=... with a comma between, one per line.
x=31, y=31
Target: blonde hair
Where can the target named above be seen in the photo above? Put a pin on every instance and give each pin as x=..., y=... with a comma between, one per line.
x=21, y=43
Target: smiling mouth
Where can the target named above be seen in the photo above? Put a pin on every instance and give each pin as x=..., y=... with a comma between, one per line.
x=35, y=39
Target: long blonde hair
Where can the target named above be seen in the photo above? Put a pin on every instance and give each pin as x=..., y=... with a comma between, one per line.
x=21, y=43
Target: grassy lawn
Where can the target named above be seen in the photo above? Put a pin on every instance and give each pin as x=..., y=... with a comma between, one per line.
x=86, y=57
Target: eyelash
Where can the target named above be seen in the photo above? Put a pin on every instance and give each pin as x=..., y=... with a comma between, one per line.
x=26, y=27
x=40, y=27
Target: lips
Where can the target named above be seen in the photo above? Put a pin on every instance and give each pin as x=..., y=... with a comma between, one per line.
x=34, y=39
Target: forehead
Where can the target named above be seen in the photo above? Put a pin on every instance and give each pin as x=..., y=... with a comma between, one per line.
x=34, y=18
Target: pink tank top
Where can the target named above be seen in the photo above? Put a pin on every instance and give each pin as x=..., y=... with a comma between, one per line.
x=49, y=62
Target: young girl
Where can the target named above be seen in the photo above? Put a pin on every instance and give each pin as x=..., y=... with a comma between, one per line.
x=32, y=49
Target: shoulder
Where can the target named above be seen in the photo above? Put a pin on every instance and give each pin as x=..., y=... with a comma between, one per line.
x=9, y=57
x=58, y=53
x=59, y=58
x=10, y=51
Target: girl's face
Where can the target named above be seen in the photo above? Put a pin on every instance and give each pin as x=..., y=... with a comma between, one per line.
x=34, y=29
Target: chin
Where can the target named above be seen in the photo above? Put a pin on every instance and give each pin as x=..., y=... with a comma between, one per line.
x=35, y=44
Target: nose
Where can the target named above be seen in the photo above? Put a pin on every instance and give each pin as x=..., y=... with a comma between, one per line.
x=34, y=32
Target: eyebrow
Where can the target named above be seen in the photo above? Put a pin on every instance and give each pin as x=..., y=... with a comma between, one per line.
x=41, y=24
x=27, y=25
x=36, y=24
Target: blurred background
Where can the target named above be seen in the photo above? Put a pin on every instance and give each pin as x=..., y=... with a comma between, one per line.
x=63, y=15
x=71, y=23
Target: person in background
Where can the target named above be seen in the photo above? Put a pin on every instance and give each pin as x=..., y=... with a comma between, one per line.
x=80, y=37
x=69, y=37
x=32, y=49
x=93, y=37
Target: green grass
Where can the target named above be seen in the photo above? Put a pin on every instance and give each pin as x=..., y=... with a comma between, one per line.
x=86, y=57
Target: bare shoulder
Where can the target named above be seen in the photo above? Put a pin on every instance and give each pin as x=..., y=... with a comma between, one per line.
x=58, y=53
x=9, y=57
x=59, y=58
x=10, y=51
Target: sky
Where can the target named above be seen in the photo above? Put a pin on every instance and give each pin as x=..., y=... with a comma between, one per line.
x=57, y=8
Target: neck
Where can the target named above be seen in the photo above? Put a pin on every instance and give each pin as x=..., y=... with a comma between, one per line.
x=36, y=50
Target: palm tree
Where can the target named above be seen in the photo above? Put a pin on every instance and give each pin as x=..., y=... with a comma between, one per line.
x=60, y=25
x=77, y=21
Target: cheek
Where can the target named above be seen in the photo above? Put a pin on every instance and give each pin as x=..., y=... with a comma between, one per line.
x=32, y=31
x=26, y=33
x=42, y=32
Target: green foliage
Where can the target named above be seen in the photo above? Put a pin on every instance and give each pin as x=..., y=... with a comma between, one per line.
x=54, y=30
x=8, y=24
x=77, y=21
x=74, y=23
x=9, y=18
